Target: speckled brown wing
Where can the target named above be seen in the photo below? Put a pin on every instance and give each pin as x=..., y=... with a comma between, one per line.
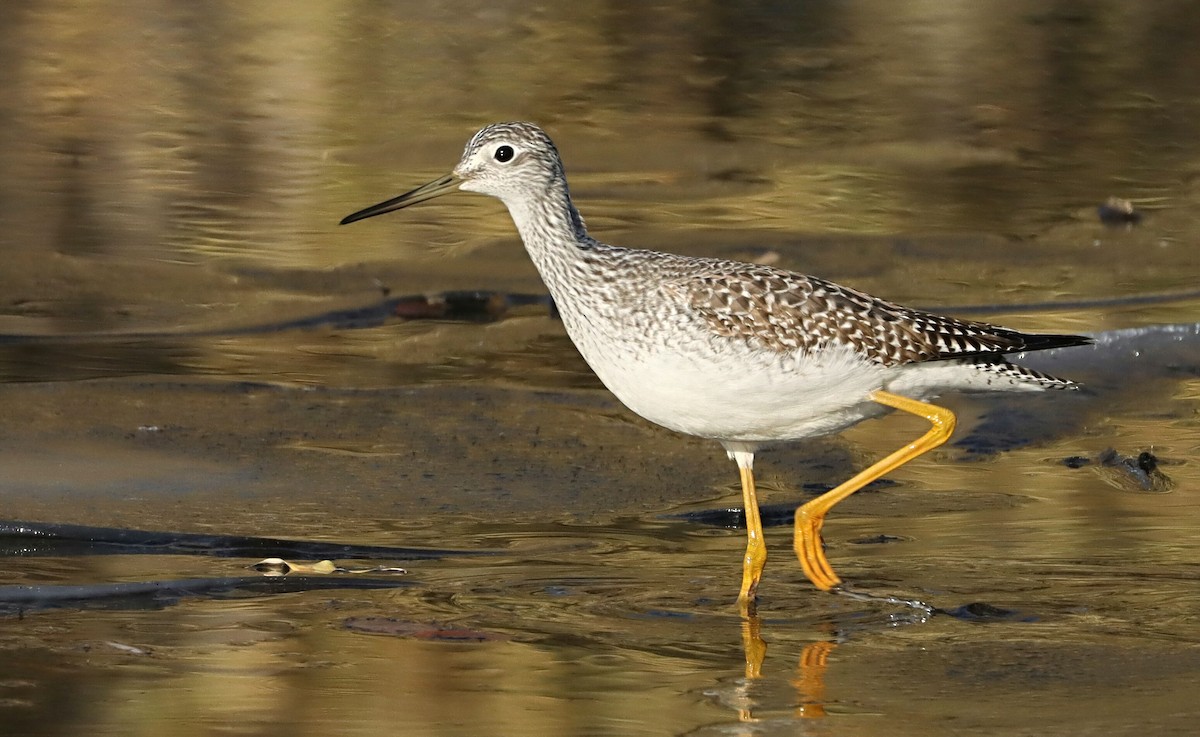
x=784, y=311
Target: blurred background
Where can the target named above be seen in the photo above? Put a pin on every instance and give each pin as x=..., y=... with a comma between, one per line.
x=161, y=157
x=171, y=178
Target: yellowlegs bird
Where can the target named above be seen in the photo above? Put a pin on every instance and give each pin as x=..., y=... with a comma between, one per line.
x=746, y=355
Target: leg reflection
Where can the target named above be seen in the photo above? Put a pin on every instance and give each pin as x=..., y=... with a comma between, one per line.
x=753, y=645
x=755, y=651
x=810, y=679
x=810, y=672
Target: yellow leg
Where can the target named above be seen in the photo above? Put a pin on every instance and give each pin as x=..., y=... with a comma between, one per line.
x=811, y=516
x=756, y=549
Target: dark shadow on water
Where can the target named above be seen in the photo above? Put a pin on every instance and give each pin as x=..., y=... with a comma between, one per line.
x=142, y=595
x=773, y=515
x=983, y=612
x=49, y=539
x=25, y=539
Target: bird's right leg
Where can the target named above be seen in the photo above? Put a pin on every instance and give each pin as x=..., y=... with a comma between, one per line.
x=756, y=549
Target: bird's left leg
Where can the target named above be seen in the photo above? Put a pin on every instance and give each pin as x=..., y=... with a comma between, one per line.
x=811, y=515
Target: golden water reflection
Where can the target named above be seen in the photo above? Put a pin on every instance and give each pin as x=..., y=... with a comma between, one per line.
x=180, y=166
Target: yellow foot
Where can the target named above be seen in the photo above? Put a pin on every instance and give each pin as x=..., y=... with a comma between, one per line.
x=811, y=551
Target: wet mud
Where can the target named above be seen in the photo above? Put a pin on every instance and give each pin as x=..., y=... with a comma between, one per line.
x=190, y=345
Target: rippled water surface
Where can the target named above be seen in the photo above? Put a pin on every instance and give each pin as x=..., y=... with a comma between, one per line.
x=189, y=343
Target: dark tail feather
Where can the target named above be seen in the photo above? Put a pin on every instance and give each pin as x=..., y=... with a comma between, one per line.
x=1036, y=342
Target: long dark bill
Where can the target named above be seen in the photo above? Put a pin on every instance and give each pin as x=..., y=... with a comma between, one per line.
x=436, y=188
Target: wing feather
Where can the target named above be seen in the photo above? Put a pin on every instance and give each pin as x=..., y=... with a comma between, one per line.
x=784, y=311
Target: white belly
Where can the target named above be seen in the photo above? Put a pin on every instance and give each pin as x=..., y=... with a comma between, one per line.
x=743, y=395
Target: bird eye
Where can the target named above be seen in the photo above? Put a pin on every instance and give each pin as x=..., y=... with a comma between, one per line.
x=504, y=154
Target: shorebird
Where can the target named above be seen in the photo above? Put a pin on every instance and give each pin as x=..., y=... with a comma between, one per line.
x=743, y=354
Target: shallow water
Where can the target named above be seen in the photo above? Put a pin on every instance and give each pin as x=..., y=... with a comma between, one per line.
x=173, y=176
